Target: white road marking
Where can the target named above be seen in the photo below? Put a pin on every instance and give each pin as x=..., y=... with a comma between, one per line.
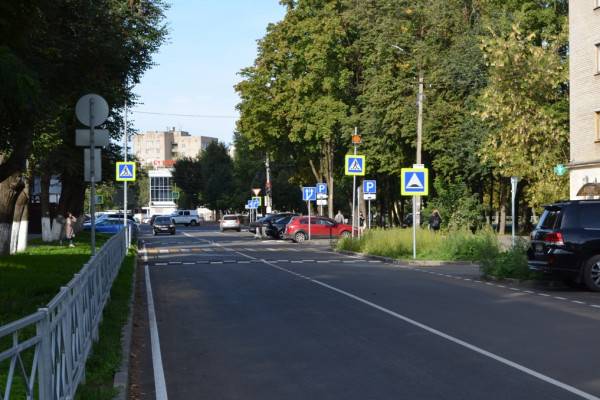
x=174, y=262
x=163, y=250
x=160, y=386
x=446, y=336
x=595, y=306
x=189, y=263
x=161, y=264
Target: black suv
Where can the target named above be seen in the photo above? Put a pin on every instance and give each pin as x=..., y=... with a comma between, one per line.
x=566, y=242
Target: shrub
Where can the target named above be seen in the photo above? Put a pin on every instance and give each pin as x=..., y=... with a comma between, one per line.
x=508, y=264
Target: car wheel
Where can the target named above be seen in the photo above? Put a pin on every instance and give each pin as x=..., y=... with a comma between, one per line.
x=345, y=234
x=193, y=223
x=239, y=229
x=591, y=273
x=300, y=237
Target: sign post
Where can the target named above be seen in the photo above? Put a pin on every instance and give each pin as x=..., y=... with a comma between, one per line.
x=514, y=181
x=369, y=193
x=321, y=195
x=92, y=110
x=309, y=194
x=355, y=166
x=415, y=182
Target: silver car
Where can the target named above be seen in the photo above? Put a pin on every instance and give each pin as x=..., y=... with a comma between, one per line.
x=231, y=222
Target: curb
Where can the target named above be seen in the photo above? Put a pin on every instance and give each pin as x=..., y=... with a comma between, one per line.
x=529, y=283
x=416, y=263
x=121, y=378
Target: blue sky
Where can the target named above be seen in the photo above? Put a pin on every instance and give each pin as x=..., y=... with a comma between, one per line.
x=210, y=41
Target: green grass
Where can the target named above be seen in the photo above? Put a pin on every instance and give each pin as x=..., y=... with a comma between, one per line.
x=29, y=280
x=106, y=354
x=481, y=247
x=445, y=246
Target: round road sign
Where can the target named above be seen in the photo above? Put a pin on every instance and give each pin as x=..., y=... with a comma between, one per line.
x=98, y=107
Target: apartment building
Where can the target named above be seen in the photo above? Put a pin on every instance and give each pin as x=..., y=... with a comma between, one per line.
x=162, y=148
x=584, y=49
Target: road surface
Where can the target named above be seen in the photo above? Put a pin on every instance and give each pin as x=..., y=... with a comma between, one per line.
x=231, y=317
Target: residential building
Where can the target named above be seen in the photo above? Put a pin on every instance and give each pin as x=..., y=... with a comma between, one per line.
x=584, y=53
x=158, y=151
x=163, y=148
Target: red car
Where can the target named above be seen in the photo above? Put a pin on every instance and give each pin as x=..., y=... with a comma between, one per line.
x=320, y=227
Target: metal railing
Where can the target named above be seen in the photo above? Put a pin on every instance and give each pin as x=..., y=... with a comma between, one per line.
x=46, y=357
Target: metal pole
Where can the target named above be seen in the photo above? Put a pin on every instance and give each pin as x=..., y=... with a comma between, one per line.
x=125, y=183
x=358, y=212
x=354, y=190
x=369, y=223
x=514, y=181
x=414, y=228
x=417, y=209
x=308, y=206
x=92, y=177
x=269, y=189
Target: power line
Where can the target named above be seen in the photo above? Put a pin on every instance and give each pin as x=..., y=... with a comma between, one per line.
x=186, y=115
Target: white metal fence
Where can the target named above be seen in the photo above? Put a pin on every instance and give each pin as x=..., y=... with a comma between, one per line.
x=43, y=355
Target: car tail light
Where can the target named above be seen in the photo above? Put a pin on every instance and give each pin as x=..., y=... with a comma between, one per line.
x=555, y=238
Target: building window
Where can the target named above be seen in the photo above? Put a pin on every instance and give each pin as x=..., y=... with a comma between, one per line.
x=597, y=57
x=597, y=126
x=160, y=189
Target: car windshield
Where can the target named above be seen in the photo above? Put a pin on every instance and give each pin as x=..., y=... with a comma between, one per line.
x=163, y=220
x=229, y=218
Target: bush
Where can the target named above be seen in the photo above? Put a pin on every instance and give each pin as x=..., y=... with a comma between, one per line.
x=508, y=264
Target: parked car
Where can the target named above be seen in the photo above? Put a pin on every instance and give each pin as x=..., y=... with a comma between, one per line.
x=276, y=227
x=267, y=220
x=110, y=226
x=163, y=224
x=566, y=242
x=187, y=217
x=230, y=222
x=321, y=228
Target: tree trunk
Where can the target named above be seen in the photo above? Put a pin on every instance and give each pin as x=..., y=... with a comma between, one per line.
x=45, y=207
x=502, y=205
x=10, y=190
x=20, y=227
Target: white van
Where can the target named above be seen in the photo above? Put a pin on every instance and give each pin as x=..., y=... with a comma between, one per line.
x=187, y=217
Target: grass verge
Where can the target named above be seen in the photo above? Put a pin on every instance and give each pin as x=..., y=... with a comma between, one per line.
x=31, y=279
x=106, y=356
x=481, y=247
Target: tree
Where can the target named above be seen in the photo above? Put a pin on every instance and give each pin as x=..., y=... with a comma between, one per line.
x=217, y=177
x=52, y=52
x=187, y=175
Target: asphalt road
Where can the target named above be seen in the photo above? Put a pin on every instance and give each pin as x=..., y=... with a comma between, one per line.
x=239, y=318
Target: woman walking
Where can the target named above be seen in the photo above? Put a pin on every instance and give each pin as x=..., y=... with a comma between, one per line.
x=70, y=229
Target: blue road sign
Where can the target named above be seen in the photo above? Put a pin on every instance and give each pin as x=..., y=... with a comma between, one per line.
x=125, y=171
x=321, y=188
x=355, y=165
x=255, y=203
x=370, y=187
x=309, y=193
x=415, y=182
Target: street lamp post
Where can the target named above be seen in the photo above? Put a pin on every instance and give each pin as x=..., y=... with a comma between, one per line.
x=419, y=163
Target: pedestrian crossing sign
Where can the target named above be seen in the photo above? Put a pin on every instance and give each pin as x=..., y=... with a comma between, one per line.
x=257, y=200
x=125, y=171
x=415, y=181
x=355, y=165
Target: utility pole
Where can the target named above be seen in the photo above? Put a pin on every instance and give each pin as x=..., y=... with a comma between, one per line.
x=125, y=144
x=268, y=188
x=354, y=187
x=419, y=164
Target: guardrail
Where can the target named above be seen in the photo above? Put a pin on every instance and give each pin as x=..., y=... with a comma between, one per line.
x=46, y=357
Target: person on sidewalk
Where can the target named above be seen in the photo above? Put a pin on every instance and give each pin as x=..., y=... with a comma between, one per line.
x=339, y=217
x=70, y=221
x=435, y=221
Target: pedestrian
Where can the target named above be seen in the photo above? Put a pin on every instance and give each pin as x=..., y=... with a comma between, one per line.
x=339, y=217
x=435, y=220
x=70, y=229
x=362, y=223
